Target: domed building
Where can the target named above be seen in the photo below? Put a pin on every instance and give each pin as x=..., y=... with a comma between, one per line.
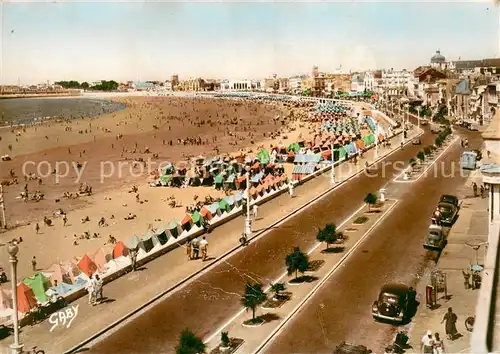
x=438, y=61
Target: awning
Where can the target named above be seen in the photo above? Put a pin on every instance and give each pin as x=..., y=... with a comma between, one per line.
x=187, y=220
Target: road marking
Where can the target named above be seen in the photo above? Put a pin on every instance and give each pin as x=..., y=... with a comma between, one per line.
x=396, y=179
x=127, y=318
x=309, y=296
x=318, y=244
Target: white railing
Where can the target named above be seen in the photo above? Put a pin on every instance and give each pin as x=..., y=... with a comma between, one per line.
x=483, y=338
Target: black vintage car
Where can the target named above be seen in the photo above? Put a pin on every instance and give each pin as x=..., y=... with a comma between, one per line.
x=448, y=213
x=392, y=303
x=345, y=348
x=448, y=198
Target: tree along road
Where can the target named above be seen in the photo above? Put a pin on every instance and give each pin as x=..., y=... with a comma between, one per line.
x=212, y=299
x=341, y=309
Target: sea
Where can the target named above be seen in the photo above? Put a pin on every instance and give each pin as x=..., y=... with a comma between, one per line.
x=32, y=110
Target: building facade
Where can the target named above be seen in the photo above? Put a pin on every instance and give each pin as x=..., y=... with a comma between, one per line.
x=394, y=83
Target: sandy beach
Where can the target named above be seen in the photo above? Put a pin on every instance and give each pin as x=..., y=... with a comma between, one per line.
x=109, y=150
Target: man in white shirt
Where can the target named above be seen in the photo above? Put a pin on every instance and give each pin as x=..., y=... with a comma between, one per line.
x=204, y=248
x=427, y=344
x=255, y=211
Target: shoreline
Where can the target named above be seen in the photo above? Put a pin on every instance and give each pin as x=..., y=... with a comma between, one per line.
x=41, y=95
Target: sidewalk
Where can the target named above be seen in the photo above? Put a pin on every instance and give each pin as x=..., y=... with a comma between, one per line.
x=133, y=290
x=472, y=228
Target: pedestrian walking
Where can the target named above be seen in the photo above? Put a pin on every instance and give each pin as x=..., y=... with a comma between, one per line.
x=91, y=291
x=133, y=258
x=189, y=250
x=196, y=247
x=402, y=145
x=427, y=343
x=204, y=248
x=438, y=344
x=65, y=219
x=291, y=190
x=98, y=288
x=450, y=320
x=481, y=191
x=33, y=263
x=255, y=211
x=474, y=188
x=37, y=228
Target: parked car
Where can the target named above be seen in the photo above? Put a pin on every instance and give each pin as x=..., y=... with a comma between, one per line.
x=424, y=121
x=451, y=199
x=345, y=348
x=416, y=141
x=392, y=303
x=449, y=213
x=436, y=238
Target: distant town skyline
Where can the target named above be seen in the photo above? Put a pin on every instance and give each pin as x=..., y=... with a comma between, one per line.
x=151, y=41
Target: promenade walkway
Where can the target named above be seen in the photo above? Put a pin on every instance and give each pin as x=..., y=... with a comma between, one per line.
x=471, y=228
x=129, y=292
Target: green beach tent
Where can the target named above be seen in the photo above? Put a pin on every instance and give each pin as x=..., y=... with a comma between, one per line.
x=39, y=283
x=223, y=205
x=263, y=156
x=197, y=218
x=294, y=147
x=219, y=179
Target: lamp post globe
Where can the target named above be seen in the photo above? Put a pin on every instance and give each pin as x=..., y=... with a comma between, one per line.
x=12, y=249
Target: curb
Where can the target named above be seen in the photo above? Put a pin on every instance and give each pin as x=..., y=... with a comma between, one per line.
x=201, y=271
x=424, y=172
x=322, y=281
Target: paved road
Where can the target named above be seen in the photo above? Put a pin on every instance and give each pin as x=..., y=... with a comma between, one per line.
x=215, y=297
x=341, y=310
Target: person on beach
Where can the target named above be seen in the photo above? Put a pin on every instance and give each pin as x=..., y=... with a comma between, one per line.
x=37, y=228
x=33, y=263
x=65, y=220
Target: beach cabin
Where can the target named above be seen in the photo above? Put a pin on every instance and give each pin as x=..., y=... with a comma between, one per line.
x=230, y=202
x=101, y=257
x=61, y=289
x=230, y=182
x=174, y=229
x=301, y=171
x=59, y=274
x=187, y=222
x=205, y=213
x=132, y=243
x=215, y=209
x=148, y=242
x=161, y=234
x=26, y=299
x=223, y=206
x=468, y=160
x=241, y=182
x=197, y=219
x=219, y=181
x=39, y=283
x=87, y=266
x=120, y=250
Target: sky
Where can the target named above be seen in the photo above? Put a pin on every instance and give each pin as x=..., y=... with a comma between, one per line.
x=87, y=41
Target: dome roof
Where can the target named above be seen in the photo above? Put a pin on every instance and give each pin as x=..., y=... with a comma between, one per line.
x=438, y=58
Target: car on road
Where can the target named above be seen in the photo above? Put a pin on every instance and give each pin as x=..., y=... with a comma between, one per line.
x=436, y=238
x=424, y=121
x=345, y=348
x=416, y=141
x=451, y=199
x=392, y=303
x=448, y=212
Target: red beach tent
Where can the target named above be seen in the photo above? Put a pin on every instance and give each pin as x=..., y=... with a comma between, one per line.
x=87, y=266
x=25, y=298
x=120, y=250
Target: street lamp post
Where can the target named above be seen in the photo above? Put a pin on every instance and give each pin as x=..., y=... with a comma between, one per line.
x=16, y=347
x=248, y=220
x=376, y=140
x=332, y=173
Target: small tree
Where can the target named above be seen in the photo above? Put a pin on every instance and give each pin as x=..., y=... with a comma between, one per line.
x=412, y=162
x=189, y=343
x=370, y=200
x=253, y=297
x=438, y=141
x=224, y=339
x=297, y=261
x=427, y=151
x=328, y=235
x=277, y=288
x=421, y=156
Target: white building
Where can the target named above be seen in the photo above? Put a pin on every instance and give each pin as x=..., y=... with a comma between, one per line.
x=395, y=82
x=167, y=85
x=369, y=81
x=358, y=83
x=236, y=85
x=295, y=84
